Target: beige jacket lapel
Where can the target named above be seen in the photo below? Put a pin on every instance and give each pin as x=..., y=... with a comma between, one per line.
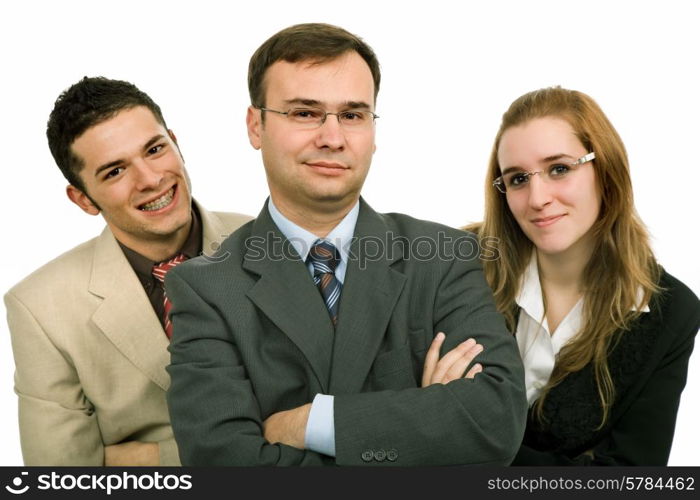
x=125, y=315
x=213, y=231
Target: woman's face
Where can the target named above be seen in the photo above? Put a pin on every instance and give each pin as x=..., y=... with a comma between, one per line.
x=556, y=215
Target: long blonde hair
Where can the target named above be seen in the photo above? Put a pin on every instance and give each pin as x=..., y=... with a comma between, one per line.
x=622, y=263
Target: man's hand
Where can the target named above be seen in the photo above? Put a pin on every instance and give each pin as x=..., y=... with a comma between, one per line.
x=453, y=364
x=288, y=427
x=132, y=453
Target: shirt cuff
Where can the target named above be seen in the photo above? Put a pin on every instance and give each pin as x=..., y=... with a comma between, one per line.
x=320, y=428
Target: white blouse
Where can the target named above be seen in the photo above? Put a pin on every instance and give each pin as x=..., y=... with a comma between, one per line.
x=538, y=346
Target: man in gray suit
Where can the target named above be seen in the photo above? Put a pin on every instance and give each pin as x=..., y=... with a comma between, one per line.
x=314, y=339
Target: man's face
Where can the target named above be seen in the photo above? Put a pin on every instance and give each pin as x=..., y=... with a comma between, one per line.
x=315, y=169
x=134, y=174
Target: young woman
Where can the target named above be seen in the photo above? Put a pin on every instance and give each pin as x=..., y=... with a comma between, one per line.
x=604, y=332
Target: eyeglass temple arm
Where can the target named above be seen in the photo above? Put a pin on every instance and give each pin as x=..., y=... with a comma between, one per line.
x=584, y=159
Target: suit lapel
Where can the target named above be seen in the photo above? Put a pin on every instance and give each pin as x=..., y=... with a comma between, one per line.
x=213, y=231
x=367, y=301
x=126, y=316
x=286, y=294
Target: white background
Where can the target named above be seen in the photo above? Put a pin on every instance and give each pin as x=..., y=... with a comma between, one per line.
x=450, y=69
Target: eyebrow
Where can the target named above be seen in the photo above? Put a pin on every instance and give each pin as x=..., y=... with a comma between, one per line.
x=111, y=164
x=319, y=104
x=548, y=159
x=152, y=141
x=120, y=162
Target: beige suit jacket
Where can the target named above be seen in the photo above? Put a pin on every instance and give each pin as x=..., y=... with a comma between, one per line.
x=90, y=354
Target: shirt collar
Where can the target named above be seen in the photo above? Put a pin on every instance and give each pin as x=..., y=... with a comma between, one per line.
x=530, y=296
x=302, y=240
x=192, y=247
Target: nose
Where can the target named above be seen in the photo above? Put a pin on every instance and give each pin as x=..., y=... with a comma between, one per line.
x=147, y=176
x=539, y=192
x=330, y=134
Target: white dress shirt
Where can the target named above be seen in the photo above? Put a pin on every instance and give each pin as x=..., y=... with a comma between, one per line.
x=539, y=346
x=320, y=428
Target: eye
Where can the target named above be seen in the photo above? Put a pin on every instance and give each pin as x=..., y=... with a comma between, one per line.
x=305, y=114
x=558, y=171
x=354, y=116
x=155, y=149
x=114, y=172
x=517, y=180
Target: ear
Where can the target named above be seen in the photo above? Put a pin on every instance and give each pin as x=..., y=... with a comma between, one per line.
x=253, y=121
x=172, y=136
x=82, y=200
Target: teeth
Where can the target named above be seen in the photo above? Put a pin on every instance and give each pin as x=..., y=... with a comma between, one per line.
x=161, y=202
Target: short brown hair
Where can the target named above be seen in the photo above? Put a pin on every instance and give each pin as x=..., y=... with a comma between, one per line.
x=315, y=42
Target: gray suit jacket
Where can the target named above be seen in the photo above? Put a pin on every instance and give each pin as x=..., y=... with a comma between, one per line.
x=90, y=354
x=252, y=337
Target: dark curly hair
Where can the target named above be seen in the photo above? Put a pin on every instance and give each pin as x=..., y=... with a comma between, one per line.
x=85, y=104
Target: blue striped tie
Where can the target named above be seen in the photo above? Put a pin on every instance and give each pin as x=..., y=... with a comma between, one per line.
x=325, y=258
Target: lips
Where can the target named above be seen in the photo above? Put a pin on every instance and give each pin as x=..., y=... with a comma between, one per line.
x=161, y=202
x=327, y=169
x=328, y=165
x=547, y=221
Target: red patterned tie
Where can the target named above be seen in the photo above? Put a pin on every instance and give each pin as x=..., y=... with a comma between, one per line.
x=159, y=272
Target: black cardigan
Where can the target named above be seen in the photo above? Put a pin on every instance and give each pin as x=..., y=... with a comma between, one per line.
x=649, y=366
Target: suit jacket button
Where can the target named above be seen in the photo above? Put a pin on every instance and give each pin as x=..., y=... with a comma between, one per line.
x=367, y=455
x=380, y=455
x=392, y=455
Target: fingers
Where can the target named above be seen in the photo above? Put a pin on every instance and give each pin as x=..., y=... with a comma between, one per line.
x=455, y=366
x=477, y=368
x=460, y=365
x=449, y=359
x=431, y=359
x=450, y=364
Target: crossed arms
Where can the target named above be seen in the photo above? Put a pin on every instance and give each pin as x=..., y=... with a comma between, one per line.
x=232, y=371
x=289, y=426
